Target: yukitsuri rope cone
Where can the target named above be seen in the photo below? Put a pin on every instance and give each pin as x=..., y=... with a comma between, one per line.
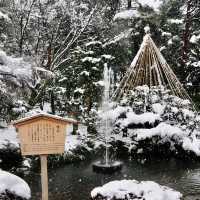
x=150, y=68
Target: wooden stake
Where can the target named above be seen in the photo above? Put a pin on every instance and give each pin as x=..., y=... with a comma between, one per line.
x=44, y=177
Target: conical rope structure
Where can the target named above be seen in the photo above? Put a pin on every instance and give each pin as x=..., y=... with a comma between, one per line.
x=149, y=67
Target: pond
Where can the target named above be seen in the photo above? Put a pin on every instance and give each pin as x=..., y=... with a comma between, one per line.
x=75, y=181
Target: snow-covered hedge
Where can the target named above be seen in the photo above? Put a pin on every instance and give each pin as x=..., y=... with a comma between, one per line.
x=13, y=187
x=152, y=120
x=132, y=189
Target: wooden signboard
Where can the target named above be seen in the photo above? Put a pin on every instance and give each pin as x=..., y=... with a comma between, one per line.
x=42, y=134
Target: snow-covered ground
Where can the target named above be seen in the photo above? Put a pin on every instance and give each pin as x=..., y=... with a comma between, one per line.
x=14, y=184
x=73, y=141
x=126, y=189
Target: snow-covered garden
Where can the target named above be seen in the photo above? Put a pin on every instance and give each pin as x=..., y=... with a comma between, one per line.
x=126, y=74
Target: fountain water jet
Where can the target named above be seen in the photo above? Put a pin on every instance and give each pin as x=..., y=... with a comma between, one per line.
x=107, y=166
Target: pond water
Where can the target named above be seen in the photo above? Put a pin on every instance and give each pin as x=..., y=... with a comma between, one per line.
x=75, y=181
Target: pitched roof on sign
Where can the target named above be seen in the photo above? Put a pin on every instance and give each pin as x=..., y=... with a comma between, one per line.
x=44, y=115
x=149, y=67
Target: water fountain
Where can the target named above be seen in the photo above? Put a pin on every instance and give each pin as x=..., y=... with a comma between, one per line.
x=107, y=165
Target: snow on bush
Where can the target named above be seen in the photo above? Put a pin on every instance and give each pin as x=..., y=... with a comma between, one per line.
x=126, y=14
x=132, y=118
x=144, y=114
x=4, y=16
x=8, y=136
x=16, y=67
x=132, y=189
x=14, y=184
x=194, y=39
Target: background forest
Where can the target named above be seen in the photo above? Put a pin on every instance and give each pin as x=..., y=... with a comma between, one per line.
x=53, y=52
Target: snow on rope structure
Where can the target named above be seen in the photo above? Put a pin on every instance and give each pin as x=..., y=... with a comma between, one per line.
x=132, y=189
x=149, y=67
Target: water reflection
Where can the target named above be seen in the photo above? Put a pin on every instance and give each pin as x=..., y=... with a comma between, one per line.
x=76, y=181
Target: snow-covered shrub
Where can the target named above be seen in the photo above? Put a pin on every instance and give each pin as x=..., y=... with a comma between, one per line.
x=12, y=187
x=15, y=75
x=156, y=104
x=151, y=119
x=132, y=189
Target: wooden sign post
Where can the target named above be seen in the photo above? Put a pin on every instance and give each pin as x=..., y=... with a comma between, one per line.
x=44, y=177
x=42, y=134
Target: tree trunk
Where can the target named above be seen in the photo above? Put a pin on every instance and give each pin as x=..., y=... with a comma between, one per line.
x=52, y=102
x=21, y=37
x=129, y=4
x=186, y=33
x=49, y=57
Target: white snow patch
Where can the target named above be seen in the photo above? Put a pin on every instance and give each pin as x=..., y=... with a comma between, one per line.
x=14, y=184
x=91, y=59
x=15, y=66
x=175, y=21
x=8, y=136
x=188, y=113
x=158, y=108
x=162, y=130
x=194, y=39
x=114, y=114
x=140, y=119
x=192, y=143
x=4, y=16
x=122, y=190
x=123, y=35
x=73, y=141
x=163, y=48
x=126, y=14
x=170, y=42
x=86, y=73
x=143, y=88
x=93, y=43
x=109, y=57
x=155, y=4
x=147, y=29
x=166, y=34
x=79, y=90
x=99, y=83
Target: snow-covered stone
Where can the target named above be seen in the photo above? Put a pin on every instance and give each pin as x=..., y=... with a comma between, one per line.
x=14, y=184
x=132, y=189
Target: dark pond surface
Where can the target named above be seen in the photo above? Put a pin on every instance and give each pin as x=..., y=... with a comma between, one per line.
x=75, y=181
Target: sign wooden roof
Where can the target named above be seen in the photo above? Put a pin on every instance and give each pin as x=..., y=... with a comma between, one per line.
x=44, y=116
